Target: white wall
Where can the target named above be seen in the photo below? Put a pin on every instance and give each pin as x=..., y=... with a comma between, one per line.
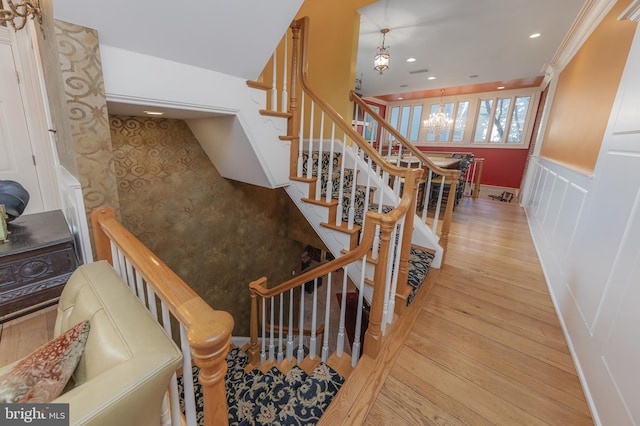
x=587, y=233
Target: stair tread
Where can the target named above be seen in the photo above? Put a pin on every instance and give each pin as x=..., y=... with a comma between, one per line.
x=301, y=396
x=340, y=364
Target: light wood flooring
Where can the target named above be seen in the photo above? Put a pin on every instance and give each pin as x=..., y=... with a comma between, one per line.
x=486, y=346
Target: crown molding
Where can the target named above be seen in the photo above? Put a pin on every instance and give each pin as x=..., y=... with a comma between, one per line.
x=632, y=12
x=587, y=20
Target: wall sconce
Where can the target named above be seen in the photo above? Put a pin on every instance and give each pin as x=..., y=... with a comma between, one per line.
x=20, y=12
x=381, y=60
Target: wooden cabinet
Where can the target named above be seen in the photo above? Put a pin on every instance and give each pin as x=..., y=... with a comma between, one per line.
x=35, y=263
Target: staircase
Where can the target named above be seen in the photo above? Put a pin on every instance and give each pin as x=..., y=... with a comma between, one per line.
x=308, y=333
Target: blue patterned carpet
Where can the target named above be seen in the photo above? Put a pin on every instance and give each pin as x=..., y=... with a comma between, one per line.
x=273, y=398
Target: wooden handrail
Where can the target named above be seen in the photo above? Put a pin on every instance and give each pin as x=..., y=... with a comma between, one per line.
x=303, y=24
x=411, y=177
x=449, y=174
x=208, y=330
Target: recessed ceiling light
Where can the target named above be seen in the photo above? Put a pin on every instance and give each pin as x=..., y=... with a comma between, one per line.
x=535, y=35
x=400, y=98
x=431, y=78
x=411, y=59
x=500, y=87
x=153, y=112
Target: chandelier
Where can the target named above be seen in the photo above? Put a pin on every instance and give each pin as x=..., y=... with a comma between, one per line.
x=438, y=121
x=381, y=60
x=20, y=11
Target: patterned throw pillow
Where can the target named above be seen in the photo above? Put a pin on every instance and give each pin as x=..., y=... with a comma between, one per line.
x=42, y=376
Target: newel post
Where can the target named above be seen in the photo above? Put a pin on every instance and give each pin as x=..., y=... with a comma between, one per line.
x=373, y=336
x=209, y=352
x=448, y=217
x=254, y=349
x=293, y=125
x=407, y=236
x=101, y=241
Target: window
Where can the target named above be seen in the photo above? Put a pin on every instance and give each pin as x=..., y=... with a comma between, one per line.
x=501, y=117
x=451, y=109
x=415, y=123
x=505, y=117
x=518, y=119
x=461, y=121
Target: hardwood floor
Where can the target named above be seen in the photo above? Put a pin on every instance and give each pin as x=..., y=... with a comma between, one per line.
x=486, y=346
x=483, y=345
x=19, y=337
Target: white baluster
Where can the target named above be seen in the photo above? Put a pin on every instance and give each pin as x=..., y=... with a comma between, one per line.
x=130, y=280
x=343, y=309
x=340, y=208
x=427, y=196
x=114, y=256
x=281, y=326
x=274, y=89
x=310, y=158
x=314, y=314
x=151, y=302
x=174, y=399
x=327, y=318
x=355, y=353
x=187, y=380
x=263, y=354
x=271, y=332
x=290, y=330
x=301, y=328
x=320, y=155
x=140, y=286
x=471, y=179
x=352, y=209
x=437, y=211
x=366, y=197
x=300, y=137
x=396, y=271
x=285, y=95
x=329, y=191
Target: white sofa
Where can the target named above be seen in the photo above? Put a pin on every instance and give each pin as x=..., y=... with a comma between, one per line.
x=128, y=360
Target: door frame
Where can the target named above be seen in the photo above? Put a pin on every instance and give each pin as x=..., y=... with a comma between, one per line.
x=32, y=90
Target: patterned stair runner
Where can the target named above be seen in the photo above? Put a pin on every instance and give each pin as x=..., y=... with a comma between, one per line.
x=273, y=398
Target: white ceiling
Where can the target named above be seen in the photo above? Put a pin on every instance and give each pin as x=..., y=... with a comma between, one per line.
x=229, y=36
x=455, y=39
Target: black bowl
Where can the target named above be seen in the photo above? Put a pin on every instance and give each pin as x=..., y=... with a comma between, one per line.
x=14, y=197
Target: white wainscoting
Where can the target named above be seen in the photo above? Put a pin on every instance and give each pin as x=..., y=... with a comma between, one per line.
x=587, y=233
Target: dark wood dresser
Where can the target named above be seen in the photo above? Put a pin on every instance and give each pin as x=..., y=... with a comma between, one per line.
x=35, y=263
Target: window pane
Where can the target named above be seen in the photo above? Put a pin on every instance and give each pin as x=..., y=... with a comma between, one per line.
x=484, y=112
x=404, y=121
x=517, y=120
x=500, y=119
x=395, y=114
x=415, y=123
x=448, y=110
x=461, y=121
x=431, y=136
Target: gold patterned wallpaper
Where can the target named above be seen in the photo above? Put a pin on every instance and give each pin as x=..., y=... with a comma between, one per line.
x=216, y=234
x=81, y=66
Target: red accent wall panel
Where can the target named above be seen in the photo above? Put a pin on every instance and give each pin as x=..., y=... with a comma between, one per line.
x=502, y=167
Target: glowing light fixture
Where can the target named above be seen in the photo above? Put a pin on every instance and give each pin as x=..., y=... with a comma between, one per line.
x=381, y=60
x=438, y=121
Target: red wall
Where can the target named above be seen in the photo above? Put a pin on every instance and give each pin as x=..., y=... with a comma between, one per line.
x=502, y=167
